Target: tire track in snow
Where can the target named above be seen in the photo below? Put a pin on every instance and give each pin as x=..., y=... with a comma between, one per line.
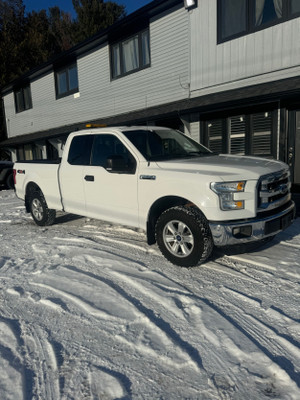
x=276, y=312
x=4, y=261
x=261, y=267
x=89, y=381
x=107, y=248
x=51, y=378
x=150, y=315
x=122, y=379
x=284, y=342
x=258, y=339
x=14, y=355
x=226, y=384
x=251, y=329
x=76, y=247
x=83, y=304
x=41, y=354
x=243, y=266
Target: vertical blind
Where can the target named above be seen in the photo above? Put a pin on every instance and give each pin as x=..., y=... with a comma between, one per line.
x=215, y=134
x=262, y=133
x=237, y=135
x=245, y=134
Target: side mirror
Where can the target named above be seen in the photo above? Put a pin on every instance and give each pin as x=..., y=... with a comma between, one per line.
x=116, y=164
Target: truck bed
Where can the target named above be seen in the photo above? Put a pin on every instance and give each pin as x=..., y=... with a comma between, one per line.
x=42, y=175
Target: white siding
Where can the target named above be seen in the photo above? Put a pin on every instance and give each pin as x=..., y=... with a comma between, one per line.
x=270, y=54
x=165, y=81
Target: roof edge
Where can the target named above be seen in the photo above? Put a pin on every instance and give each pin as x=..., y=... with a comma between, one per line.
x=149, y=10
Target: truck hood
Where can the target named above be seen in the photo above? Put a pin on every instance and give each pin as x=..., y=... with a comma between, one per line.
x=226, y=166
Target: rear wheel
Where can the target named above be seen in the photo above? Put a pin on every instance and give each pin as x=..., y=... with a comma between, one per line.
x=40, y=212
x=183, y=236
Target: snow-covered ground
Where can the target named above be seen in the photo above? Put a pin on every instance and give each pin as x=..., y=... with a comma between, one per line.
x=89, y=311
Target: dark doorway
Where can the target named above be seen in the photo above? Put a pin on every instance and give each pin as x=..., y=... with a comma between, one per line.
x=293, y=149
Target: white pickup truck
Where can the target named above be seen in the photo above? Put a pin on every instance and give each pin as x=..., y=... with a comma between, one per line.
x=186, y=198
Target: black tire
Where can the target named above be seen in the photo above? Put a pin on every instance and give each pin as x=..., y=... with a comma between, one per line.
x=40, y=212
x=183, y=236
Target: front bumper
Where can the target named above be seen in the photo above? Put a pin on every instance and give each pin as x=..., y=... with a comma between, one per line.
x=230, y=233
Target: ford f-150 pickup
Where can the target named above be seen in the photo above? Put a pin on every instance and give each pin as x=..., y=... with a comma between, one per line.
x=186, y=198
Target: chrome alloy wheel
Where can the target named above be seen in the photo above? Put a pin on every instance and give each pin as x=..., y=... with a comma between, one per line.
x=178, y=238
x=37, y=209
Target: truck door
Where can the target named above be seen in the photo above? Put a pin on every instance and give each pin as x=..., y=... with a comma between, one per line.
x=71, y=174
x=110, y=182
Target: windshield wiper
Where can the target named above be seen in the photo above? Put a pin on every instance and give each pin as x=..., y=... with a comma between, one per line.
x=165, y=157
x=198, y=153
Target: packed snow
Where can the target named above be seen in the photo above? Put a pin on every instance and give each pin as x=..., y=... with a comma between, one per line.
x=89, y=311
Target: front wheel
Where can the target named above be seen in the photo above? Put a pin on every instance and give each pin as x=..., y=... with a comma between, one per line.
x=40, y=212
x=183, y=236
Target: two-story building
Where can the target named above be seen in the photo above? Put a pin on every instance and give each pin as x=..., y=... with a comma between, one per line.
x=227, y=72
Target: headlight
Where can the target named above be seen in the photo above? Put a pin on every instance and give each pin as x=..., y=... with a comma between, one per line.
x=226, y=192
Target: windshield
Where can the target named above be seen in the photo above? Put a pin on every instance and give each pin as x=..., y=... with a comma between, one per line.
x=164, y=144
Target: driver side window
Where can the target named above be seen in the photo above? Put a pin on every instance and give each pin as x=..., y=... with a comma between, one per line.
x=107, y=147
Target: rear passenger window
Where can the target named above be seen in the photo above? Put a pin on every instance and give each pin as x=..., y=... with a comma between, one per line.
x=80, y=150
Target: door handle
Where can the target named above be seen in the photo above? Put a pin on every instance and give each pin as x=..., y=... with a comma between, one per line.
x=89, y=178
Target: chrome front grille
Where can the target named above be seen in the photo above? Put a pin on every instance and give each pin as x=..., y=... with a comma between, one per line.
x=274, y=190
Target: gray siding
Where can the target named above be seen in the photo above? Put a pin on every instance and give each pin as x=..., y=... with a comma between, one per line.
x=270, y=54
x=165, y=81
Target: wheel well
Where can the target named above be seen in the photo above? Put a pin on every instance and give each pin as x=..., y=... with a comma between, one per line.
x=30, y=188
x=158, y=208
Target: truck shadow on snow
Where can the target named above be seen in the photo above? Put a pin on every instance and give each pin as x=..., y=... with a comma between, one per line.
x=243, y=248
x=65, y=218
x=246, y=247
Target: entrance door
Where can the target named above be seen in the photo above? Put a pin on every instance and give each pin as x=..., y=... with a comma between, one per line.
x=294, y=149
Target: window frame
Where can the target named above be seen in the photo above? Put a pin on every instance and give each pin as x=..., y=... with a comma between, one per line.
x=65, y=69
x=90, y=142
x=31, y=149
x=119, y=45
x=248, y=114
x=22, y=107
x=250, y=20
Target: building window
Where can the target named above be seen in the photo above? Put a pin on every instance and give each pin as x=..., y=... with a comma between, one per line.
x=295, y=7
x=29, y=152
x=244, y=134
x=232, y=18
x=66, y=81
x=130, y=55
x=240, y=17
x=23, y=99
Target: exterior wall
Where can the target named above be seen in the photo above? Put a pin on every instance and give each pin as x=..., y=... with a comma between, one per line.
x=99, y=97
x=267, y=55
